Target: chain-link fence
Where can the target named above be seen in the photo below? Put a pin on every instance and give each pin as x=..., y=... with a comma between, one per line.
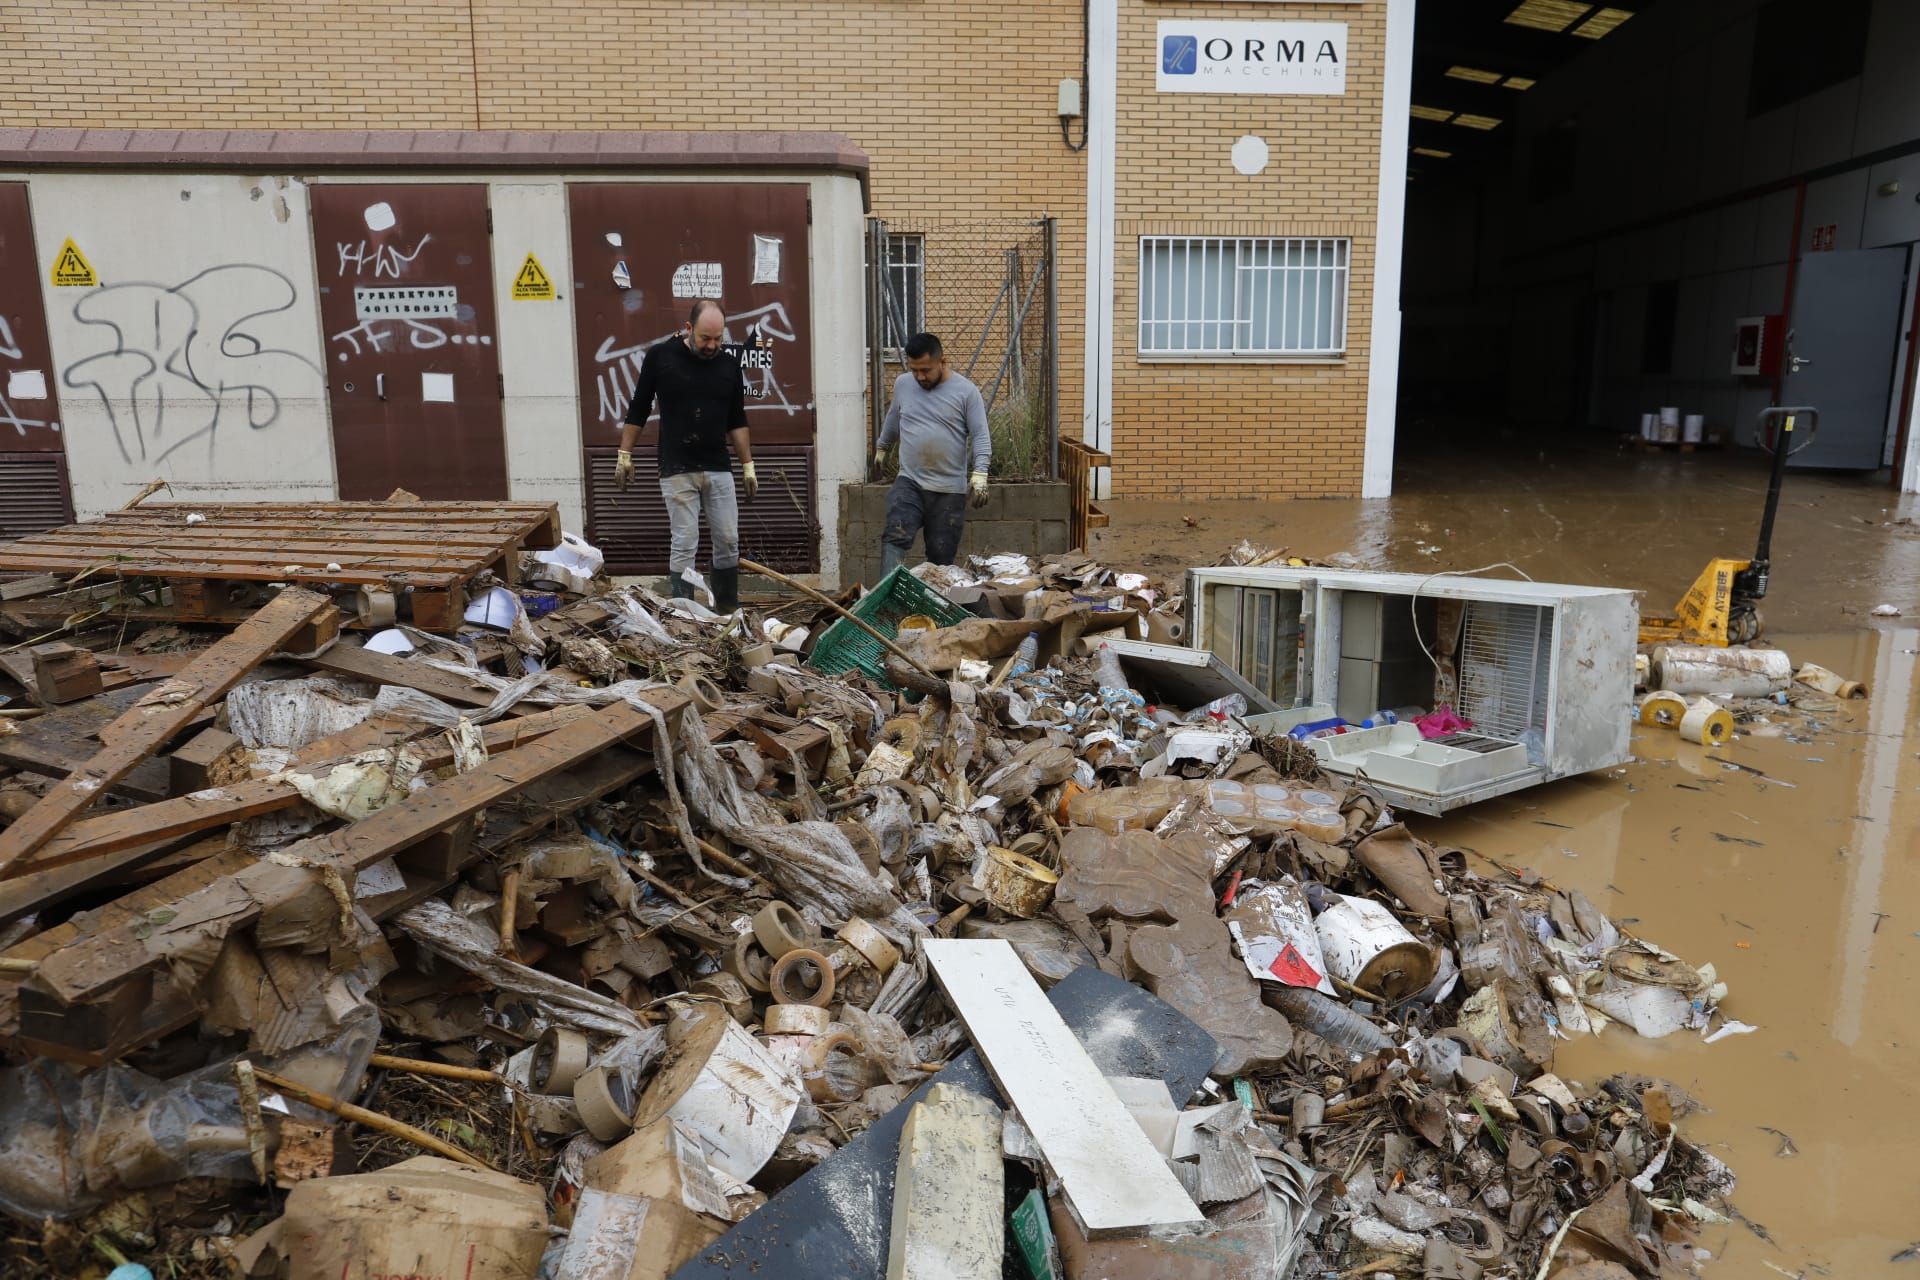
x=988, y=289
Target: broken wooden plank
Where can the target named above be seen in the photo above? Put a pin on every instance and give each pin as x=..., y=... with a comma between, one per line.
x=162, y=712
x=298, y=876
x=97, y=849
x=1114, y=1179
x=66, y=738
x=346, y=659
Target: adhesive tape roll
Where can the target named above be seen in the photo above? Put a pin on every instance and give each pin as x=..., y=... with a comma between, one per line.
x=1663, y=708
x=558, y=1059
x=1707, y=724
x=605, y=1108
x=822, y=1086
x=801, y=977
x=748, y=963
x=870, y=943
x=705, y=693
x=796, y=1020
x=780, y=929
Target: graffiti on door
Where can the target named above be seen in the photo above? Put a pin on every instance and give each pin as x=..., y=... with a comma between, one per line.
x=760, y=331
x=186, y=361
x=10, y=416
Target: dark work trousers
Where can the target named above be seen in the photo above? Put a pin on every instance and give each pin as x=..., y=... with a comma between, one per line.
x=911, y=510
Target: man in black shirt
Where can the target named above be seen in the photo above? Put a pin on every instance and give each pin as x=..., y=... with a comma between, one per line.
x=703, y=406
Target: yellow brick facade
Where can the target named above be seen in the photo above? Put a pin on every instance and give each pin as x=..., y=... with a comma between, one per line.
x=954, y=103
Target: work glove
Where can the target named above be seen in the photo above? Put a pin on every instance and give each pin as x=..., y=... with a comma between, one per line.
x=879, y=463
x=752, y=481
x=977, y=490
x=623, y=468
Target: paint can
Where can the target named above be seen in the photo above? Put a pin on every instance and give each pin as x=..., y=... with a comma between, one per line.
x=1693, y=428
x=1016, y=883
x=1647, y=427
x=728, y=1089
x=1365, y=946
x=1707, y=723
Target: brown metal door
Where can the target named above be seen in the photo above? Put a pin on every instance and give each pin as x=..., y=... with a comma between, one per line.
x=413, y=378
x=33, y=464
x=642, y=253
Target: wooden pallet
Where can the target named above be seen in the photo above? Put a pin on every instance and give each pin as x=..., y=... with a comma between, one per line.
x=211, y=568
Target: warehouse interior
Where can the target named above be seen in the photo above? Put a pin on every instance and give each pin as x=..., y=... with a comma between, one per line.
x=1704, y=205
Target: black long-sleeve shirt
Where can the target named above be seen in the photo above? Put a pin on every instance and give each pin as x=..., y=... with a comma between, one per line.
x=700, y=401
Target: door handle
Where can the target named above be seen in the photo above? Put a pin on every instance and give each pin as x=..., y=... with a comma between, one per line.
x=380, y=385
x=1796, y=363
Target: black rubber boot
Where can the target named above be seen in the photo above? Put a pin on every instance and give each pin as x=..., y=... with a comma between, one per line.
x=726, y=590
x=682, y=589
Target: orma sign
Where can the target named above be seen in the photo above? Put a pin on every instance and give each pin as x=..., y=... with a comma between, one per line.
x=1252, y=57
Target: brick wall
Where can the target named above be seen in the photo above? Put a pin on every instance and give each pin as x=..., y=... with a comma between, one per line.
x=1244, y=429
x=954, y=104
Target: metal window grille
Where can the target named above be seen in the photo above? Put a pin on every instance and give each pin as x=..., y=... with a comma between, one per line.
x=1265, y=296
x=906, y=297
x=1504, y=661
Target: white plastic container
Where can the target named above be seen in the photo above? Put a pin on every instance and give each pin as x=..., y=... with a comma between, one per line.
x=1694, y=429
x=1365, y=946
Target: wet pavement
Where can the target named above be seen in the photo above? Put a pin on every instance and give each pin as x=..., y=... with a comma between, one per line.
x=1801, y=881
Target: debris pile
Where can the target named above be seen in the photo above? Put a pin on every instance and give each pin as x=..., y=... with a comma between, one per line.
x=610, y=937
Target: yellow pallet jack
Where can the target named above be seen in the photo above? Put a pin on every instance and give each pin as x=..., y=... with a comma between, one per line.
x=1722, y=606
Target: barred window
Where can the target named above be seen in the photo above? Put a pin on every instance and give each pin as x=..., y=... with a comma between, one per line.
x=1234, y=297
x=906, y=299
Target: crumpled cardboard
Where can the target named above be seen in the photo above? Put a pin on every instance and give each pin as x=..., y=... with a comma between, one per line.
x=425, y=1216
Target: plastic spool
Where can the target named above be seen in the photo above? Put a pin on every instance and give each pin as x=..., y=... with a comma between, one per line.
x=376, y=607
x=1367, y=947
x=705, y=693
x=1663, y=708
x=756, y=655
x=726, y=991
x=1707, y=723
x=748, y=963
x=780, y=929
x=796, y=1020
x=1017, y=884
x=870, y=943
x=559, y=1056
x=606, y=1108
x=820, y=1083
x=791, y=983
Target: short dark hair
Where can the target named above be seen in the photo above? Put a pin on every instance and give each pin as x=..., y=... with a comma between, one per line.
x=700, y=305
x=923, y=344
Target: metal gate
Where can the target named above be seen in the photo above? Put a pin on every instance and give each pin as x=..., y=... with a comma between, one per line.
x=413, y=376
x=642, y=253
x=33, y=460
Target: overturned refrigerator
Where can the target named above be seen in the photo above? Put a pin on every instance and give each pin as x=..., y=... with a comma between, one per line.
x=1438, y=689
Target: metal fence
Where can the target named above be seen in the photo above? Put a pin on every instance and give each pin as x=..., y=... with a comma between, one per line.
x=989, y=289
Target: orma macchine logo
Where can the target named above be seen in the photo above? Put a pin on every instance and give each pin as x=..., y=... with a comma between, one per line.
x=1180, y=55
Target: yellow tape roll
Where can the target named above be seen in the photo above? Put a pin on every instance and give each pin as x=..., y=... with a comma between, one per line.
x=1663, y=708
x=1707, y=723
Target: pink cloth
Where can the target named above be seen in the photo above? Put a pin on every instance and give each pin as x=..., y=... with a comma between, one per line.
x=1441, y=722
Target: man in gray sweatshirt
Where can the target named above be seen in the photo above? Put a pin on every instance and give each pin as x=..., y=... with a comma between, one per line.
x=941, y=423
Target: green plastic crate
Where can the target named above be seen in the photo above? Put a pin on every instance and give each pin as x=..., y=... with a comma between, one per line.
x=900, y=595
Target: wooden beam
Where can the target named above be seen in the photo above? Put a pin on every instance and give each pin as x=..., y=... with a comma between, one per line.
x=346, y=659
x=65, y=738
x=93, y=966
x=162, y=712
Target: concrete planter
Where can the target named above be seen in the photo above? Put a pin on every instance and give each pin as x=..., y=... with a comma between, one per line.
x=1030, y=517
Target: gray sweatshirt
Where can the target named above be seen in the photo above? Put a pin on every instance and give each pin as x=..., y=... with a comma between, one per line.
x=942, y=432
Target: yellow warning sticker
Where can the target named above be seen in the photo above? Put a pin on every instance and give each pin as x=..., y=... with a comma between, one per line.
x=532, y=284
x=71, y=268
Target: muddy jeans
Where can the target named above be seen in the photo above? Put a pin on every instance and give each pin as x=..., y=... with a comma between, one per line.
x=911, y=510
x=684, y=495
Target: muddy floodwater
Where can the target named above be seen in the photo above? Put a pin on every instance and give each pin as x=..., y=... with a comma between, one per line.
x=1803, y=888
x=1798, y=875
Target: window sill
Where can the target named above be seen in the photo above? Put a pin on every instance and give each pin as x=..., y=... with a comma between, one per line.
x=1172, y=358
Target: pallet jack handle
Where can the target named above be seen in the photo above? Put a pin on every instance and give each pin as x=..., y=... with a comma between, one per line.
x=1781, y=445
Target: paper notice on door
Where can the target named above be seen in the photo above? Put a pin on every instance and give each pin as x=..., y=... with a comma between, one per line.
x=26, y=384
x=697, y=280
x=766, y=259
x=436, y=388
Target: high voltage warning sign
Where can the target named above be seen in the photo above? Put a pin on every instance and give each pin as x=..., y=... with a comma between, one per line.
x=71, y=268
x=532, y=284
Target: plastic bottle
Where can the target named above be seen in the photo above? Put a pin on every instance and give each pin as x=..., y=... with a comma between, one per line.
x=1329, y=1019
x=1380, y=719
x=1318, y=729
x=1233, y=704
x=1026, y=654
x=1106, y=669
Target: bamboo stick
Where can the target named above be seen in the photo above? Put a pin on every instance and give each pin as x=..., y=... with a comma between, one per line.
x=372, y=1120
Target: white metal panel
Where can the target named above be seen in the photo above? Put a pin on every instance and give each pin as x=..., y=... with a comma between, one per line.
x=1592, y=688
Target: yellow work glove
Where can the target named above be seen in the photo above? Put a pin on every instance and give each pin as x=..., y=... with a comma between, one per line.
x=623, y=468
x=879, y=463
x=752, y=480
x=977, y=490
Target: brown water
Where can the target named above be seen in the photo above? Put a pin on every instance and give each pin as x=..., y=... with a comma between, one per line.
x=1802, y=886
